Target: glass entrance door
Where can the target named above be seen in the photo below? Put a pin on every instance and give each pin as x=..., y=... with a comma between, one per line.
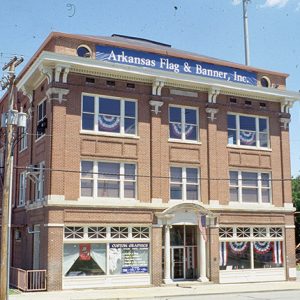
x=178, y=263
x=183, y=252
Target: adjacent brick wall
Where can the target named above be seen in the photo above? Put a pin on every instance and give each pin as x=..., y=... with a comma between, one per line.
x=156, y=255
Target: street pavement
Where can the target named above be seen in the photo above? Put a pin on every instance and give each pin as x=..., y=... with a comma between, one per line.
x=187, y=291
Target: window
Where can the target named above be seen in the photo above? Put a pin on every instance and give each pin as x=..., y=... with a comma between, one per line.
x=84, y=51
x=24, y=137
x=109, y=115
x=248, y=131
x=108, y=180
x=250, y=248
x=1, y=160
x=183, y=123
x=39, y=181
x=41, y=119
x=250, y=187
x=99, y=250
x=22, y=189
x=184, y=183
x=102, y=232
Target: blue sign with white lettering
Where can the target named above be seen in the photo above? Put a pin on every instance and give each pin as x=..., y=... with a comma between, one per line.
x=133, y=269
x=173, y=64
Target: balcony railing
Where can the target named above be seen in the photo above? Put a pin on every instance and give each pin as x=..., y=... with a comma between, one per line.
x=28, y=281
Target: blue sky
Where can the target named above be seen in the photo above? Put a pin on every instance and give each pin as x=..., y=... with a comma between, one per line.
x=208, y=27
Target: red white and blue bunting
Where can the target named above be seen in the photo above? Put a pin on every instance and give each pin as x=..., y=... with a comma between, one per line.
x=109, y=123
x=223, y=254
x=262, y=247
x=176, y=130
x=238, y=247
x=277, y=253
x=248, y=137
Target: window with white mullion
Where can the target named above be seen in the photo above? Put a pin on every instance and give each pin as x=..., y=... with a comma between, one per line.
x=87, y=185
x=248, y=131
x=249, y=187
x=22, y=189
x=259, y=183
x=184, y=183
x=183, y=123
x=110, y=115
x=109, y=180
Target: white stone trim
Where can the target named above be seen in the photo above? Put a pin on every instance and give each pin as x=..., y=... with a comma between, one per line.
x=96, y=67
x=183, y=93
x=292, y=272
x=61, y=93
x=156, y=105
x=54, y=225
x=290, y=226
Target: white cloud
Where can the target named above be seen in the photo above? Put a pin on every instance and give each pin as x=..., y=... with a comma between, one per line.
x=236, y=2
x=275, y=3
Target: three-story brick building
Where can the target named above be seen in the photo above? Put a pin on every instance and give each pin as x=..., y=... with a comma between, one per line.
x=143, y=164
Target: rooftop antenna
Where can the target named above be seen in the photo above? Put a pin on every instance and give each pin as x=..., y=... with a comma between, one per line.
x=246, y=36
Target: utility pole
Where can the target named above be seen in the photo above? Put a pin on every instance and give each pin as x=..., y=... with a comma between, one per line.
x=11, y=120
x=246, y=36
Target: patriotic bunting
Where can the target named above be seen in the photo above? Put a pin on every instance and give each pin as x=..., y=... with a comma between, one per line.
x=262, y=247
x=238, y=247
x=109, y=123
x=247, y=137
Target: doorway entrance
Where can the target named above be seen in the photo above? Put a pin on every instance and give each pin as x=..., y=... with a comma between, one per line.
x=183, y=252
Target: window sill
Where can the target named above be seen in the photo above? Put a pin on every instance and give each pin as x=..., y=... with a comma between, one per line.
x=249, y=148
x=184, y=142
x=116, y=135
x=40, y=138
x=23, y=150
x=252, y=204
x=107, y=200
x=174, y=201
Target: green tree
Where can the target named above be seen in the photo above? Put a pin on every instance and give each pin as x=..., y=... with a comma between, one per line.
x=296, y=201
x=296, y=192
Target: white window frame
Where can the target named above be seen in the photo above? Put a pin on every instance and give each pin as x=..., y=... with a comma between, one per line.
x=22, y=189
x=183, y=139
x=41, y=118
x=258, y=187
x=184, y=183
x=39, y=187
x=238, y=129
x=24, y=137
x=1, y=160
x=121, y=180
x=122, y=115
x=252, y=238
x=138, y=232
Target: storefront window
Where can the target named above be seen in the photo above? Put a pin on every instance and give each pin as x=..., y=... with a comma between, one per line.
x=267, y=254
x=247, y=248
x=239, y=256
x=84, y=259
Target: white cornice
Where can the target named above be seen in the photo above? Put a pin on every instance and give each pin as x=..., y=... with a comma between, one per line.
x=147, y=75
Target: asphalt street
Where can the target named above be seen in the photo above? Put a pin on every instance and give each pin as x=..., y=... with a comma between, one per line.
x=280, y=295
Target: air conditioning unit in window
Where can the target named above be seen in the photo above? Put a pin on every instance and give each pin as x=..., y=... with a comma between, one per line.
x=41, y=128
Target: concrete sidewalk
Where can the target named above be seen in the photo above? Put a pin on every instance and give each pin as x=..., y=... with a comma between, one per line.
x=165, y=292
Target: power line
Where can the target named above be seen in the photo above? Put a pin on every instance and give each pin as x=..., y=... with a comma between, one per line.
x=151, y=176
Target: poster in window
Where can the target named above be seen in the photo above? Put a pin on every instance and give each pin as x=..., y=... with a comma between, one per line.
x=85, y=252
x=128, y=258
